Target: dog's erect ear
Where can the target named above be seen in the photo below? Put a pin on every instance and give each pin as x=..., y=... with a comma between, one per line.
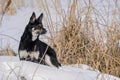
x=33, y=18
x=40, y=17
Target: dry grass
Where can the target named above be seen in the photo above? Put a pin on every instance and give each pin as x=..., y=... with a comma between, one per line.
x=92, y=40
x=88, y=35
x=7, y=52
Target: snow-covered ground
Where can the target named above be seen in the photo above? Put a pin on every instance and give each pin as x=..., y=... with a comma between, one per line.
x=13, y=69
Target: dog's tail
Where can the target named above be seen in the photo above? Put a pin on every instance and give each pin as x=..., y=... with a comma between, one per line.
x=55, y=62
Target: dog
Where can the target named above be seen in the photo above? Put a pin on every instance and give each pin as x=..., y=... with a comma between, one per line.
x=33, y=49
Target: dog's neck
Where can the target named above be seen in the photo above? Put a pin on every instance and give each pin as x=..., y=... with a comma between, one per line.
x=29, y=37
x=35, y=36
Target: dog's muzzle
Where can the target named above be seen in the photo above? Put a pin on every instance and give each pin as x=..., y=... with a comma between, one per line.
x=41, y=32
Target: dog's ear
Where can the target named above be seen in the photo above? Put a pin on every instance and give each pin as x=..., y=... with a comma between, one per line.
x=40, y=17
x=33, y=18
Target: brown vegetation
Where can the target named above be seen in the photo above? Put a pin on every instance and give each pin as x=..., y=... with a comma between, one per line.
x=7, y=52
x=87, y=40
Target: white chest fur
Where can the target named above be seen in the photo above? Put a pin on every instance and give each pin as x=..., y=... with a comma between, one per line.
x=34, y=34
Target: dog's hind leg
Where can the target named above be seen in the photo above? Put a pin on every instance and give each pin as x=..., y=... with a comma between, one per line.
x=48, y=60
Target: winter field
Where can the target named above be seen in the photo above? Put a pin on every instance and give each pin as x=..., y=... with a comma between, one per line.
x=84, y=33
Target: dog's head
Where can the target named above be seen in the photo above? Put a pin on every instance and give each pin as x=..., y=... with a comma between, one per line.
x=35, y=26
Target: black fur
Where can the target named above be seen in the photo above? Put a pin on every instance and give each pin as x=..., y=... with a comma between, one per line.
x=29, y=45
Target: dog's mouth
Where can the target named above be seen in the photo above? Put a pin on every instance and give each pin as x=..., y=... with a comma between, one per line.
x=41, y=32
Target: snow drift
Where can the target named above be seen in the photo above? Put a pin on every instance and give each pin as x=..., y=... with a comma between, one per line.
x=24, y=70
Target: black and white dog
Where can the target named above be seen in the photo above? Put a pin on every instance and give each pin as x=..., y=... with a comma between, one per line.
x=32, y=49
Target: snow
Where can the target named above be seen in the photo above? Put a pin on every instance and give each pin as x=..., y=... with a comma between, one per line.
x=13, y=69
